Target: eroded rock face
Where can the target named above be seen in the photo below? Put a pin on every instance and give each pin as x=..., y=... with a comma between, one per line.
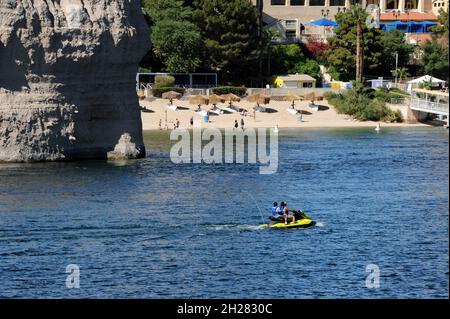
x=67, y=77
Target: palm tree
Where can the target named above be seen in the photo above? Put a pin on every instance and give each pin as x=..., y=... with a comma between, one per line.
x=402, y=73
x=359, y=15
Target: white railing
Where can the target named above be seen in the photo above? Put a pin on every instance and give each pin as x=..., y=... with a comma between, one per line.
x=428, y=106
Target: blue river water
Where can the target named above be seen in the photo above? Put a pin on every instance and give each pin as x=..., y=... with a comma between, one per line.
x=153, y=229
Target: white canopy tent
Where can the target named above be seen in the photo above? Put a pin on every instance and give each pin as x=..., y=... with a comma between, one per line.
x=423, y=79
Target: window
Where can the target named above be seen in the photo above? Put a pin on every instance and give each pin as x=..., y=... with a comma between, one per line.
x=337, y=3
x=313, y=3
x=278, y=2
x=291, y=24
x=291, y=35
x=411, y=4
x=297, y=2
x=392, y=4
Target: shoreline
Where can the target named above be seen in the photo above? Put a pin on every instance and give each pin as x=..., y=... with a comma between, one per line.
x=157, y=111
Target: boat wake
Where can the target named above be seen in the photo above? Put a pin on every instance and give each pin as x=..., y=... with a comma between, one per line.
x=320, y=224
x=232, y=227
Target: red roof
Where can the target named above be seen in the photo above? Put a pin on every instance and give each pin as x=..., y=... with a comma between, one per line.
x=411, y=16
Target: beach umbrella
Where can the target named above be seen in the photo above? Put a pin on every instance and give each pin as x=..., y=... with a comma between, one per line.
x=199, y=100
x=292, y=98
x=263, y=99
x=215, y=99
x=230, y=97
x=310, y=96
x=171, y=95
x=259, y=98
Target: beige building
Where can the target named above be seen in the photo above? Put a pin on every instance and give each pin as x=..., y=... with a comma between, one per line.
x=291, y=17
x=295, y=81
x=439, y=4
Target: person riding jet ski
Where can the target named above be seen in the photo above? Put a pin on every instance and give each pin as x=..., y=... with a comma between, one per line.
x=276, y=215
x=286, y=211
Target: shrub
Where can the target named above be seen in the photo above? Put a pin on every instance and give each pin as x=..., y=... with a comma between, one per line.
x=318, y=49
x=158, y=92
x=388, y=96
x=358, y=103
x=164, y=81
x=221, y=90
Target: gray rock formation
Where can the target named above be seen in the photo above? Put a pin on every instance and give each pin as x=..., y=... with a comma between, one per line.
x=67, y=77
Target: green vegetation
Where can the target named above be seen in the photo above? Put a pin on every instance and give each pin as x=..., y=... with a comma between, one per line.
x=158, y=92
x=342, y=58
x=221, y=90
x=175, y=39
x=393, y=96
x=290, y=59
x=378, y=49
x=434, y=59
x=226, y=37
x=393, y=43
x=232, y=39
x=164, y=81
x=363, y=104
x=441, y=30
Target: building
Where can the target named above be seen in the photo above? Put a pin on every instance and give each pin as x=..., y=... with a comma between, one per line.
x=295, y=81
x=291, y=17
x=438, y=5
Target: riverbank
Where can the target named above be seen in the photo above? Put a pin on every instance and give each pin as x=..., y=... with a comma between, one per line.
x=156, y=111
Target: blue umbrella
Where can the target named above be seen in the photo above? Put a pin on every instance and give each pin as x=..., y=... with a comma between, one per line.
x=324, y=23
x=415, y=27
x=427, y=24
x=397, y=25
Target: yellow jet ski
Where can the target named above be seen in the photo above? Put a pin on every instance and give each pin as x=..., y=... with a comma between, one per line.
x=302, y=221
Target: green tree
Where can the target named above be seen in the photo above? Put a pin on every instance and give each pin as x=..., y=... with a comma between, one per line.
x=434, y=60
x=402, y=73
x=441, y=30
x=176, y=41
x=342, y=58
x=231, y=37
x=434, y=53
x=290, y=59
x=394, y=43
x=310, y=67
x=158, y=10
x=284, y=58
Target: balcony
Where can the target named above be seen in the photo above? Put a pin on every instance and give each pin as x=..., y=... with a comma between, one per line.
x=424, y=105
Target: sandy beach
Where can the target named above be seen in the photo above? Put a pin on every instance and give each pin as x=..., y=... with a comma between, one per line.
x=327, y=117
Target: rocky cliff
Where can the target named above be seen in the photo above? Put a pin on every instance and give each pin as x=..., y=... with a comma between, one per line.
x=67, y=78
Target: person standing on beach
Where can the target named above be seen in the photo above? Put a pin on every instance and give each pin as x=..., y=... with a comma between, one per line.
x=236, y=124
x=299, y=117
x=242, y=124
x=160, y=124
x=177, y=123
x=192, y=121
x=254, y=115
